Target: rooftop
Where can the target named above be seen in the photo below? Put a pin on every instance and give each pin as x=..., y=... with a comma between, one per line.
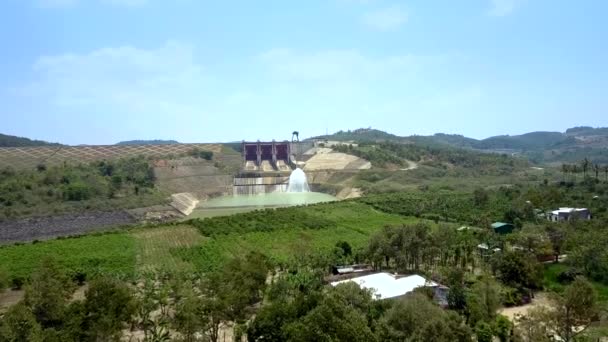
x=500, y=224
x=385, y=285
x=567, y=210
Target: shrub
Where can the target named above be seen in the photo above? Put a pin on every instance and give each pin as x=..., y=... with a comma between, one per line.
x=568, y=276
x=17, y=283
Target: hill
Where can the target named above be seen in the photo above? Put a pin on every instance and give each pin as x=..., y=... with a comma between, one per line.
x=540, y=147
x=13, y=141
x=361, y=134
x=148, y=142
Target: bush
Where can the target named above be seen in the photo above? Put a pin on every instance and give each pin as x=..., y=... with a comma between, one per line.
x=568, y=276
x=512, y=297
x=77, y=192
x=17, y=283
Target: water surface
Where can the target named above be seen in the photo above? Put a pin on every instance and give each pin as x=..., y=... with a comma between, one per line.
x=228, y=205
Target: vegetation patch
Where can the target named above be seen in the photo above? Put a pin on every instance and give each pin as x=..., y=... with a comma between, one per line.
x=154, y=246
x=112, y=253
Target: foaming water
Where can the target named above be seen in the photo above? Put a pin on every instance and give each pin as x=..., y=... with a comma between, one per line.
x=298, y=181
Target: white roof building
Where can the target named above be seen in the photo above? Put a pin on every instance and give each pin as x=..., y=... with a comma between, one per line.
x=564, y=214
x=385, y=285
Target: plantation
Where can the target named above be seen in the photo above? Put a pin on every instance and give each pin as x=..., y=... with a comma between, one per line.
x=278, y=235
x=112, y=253
x=155, y=246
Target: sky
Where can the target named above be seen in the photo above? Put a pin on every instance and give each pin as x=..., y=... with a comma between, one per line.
x=103, y=71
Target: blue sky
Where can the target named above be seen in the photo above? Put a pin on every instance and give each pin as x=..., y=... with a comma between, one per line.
x=101, y=71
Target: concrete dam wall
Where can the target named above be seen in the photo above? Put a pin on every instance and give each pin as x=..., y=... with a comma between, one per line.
x=259, y=185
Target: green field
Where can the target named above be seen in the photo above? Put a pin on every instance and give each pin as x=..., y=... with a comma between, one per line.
x=552, y=284
x=154, y=247
x=349, y=221
x=183, y=247
x=113, y=253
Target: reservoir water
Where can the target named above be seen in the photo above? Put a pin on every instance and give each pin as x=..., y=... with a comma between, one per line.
x=227, y=205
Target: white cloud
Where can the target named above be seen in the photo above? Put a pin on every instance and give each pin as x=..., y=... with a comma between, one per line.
x=501, y=8
x=127, y=78
x=341, y=65
x=386, y=19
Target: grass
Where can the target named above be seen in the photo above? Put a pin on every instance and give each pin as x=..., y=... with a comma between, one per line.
x=552, y=284
x=182, y=247
x=92, y=254
x=154, y=247
x=355, y=222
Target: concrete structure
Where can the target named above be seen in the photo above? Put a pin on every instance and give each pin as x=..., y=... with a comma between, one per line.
x=265, y=153
x=184, y=202
x=502, y=227
x=385, y=285
x=566, y=214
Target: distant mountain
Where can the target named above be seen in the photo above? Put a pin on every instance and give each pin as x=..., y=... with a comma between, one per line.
x=148, y=142
x=542, y=147
x=528, y=141
x=13, y=141
x=361, y=134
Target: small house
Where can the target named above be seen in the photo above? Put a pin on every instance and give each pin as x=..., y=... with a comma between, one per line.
x=502, y=227
x=566, y=214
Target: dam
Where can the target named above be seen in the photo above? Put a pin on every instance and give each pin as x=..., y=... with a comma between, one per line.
x=267, y=167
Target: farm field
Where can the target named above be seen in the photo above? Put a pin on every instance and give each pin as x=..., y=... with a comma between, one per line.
x=30, y=157
x=183, y=247
x=354, y=223
x=112, y=253
x=154, y=247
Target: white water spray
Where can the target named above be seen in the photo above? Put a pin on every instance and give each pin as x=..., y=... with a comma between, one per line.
x=298, y=181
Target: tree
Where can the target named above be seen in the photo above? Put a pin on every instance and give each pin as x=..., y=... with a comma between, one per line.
x=585, y=166
x=502, y=328
x=227, y=293
x=606, y=173
x=19, y=324
x=483, y=300
x=187, y=319
x=416, y=318
x=532, y=327
x=557, y=239
x=565, y=170
x=483, y=331
x=341, y=315
x=4, y=280
x=108, y=305
x=570, y=315
x=596, y=169
x=47, y=293
x=347, y=250
x=457, y=296
x=480, y=197
x=575, y=310
x=518, y=269
x=332, y=320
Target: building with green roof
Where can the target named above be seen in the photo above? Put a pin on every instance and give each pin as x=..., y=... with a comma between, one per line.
x=502, y=227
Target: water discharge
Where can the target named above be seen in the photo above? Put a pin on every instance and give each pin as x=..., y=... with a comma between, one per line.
x=298, y=181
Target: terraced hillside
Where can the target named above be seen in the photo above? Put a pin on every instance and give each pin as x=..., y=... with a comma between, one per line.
x=30, y=157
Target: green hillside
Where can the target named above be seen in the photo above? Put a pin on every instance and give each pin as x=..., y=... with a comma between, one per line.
x=540, y=147
x=13, y=141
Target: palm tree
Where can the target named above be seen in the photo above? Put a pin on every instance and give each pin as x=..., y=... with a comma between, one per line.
x=565, y=170
x=574, y=169
x=585, y=166
x=596, y=168
x=606, y=172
